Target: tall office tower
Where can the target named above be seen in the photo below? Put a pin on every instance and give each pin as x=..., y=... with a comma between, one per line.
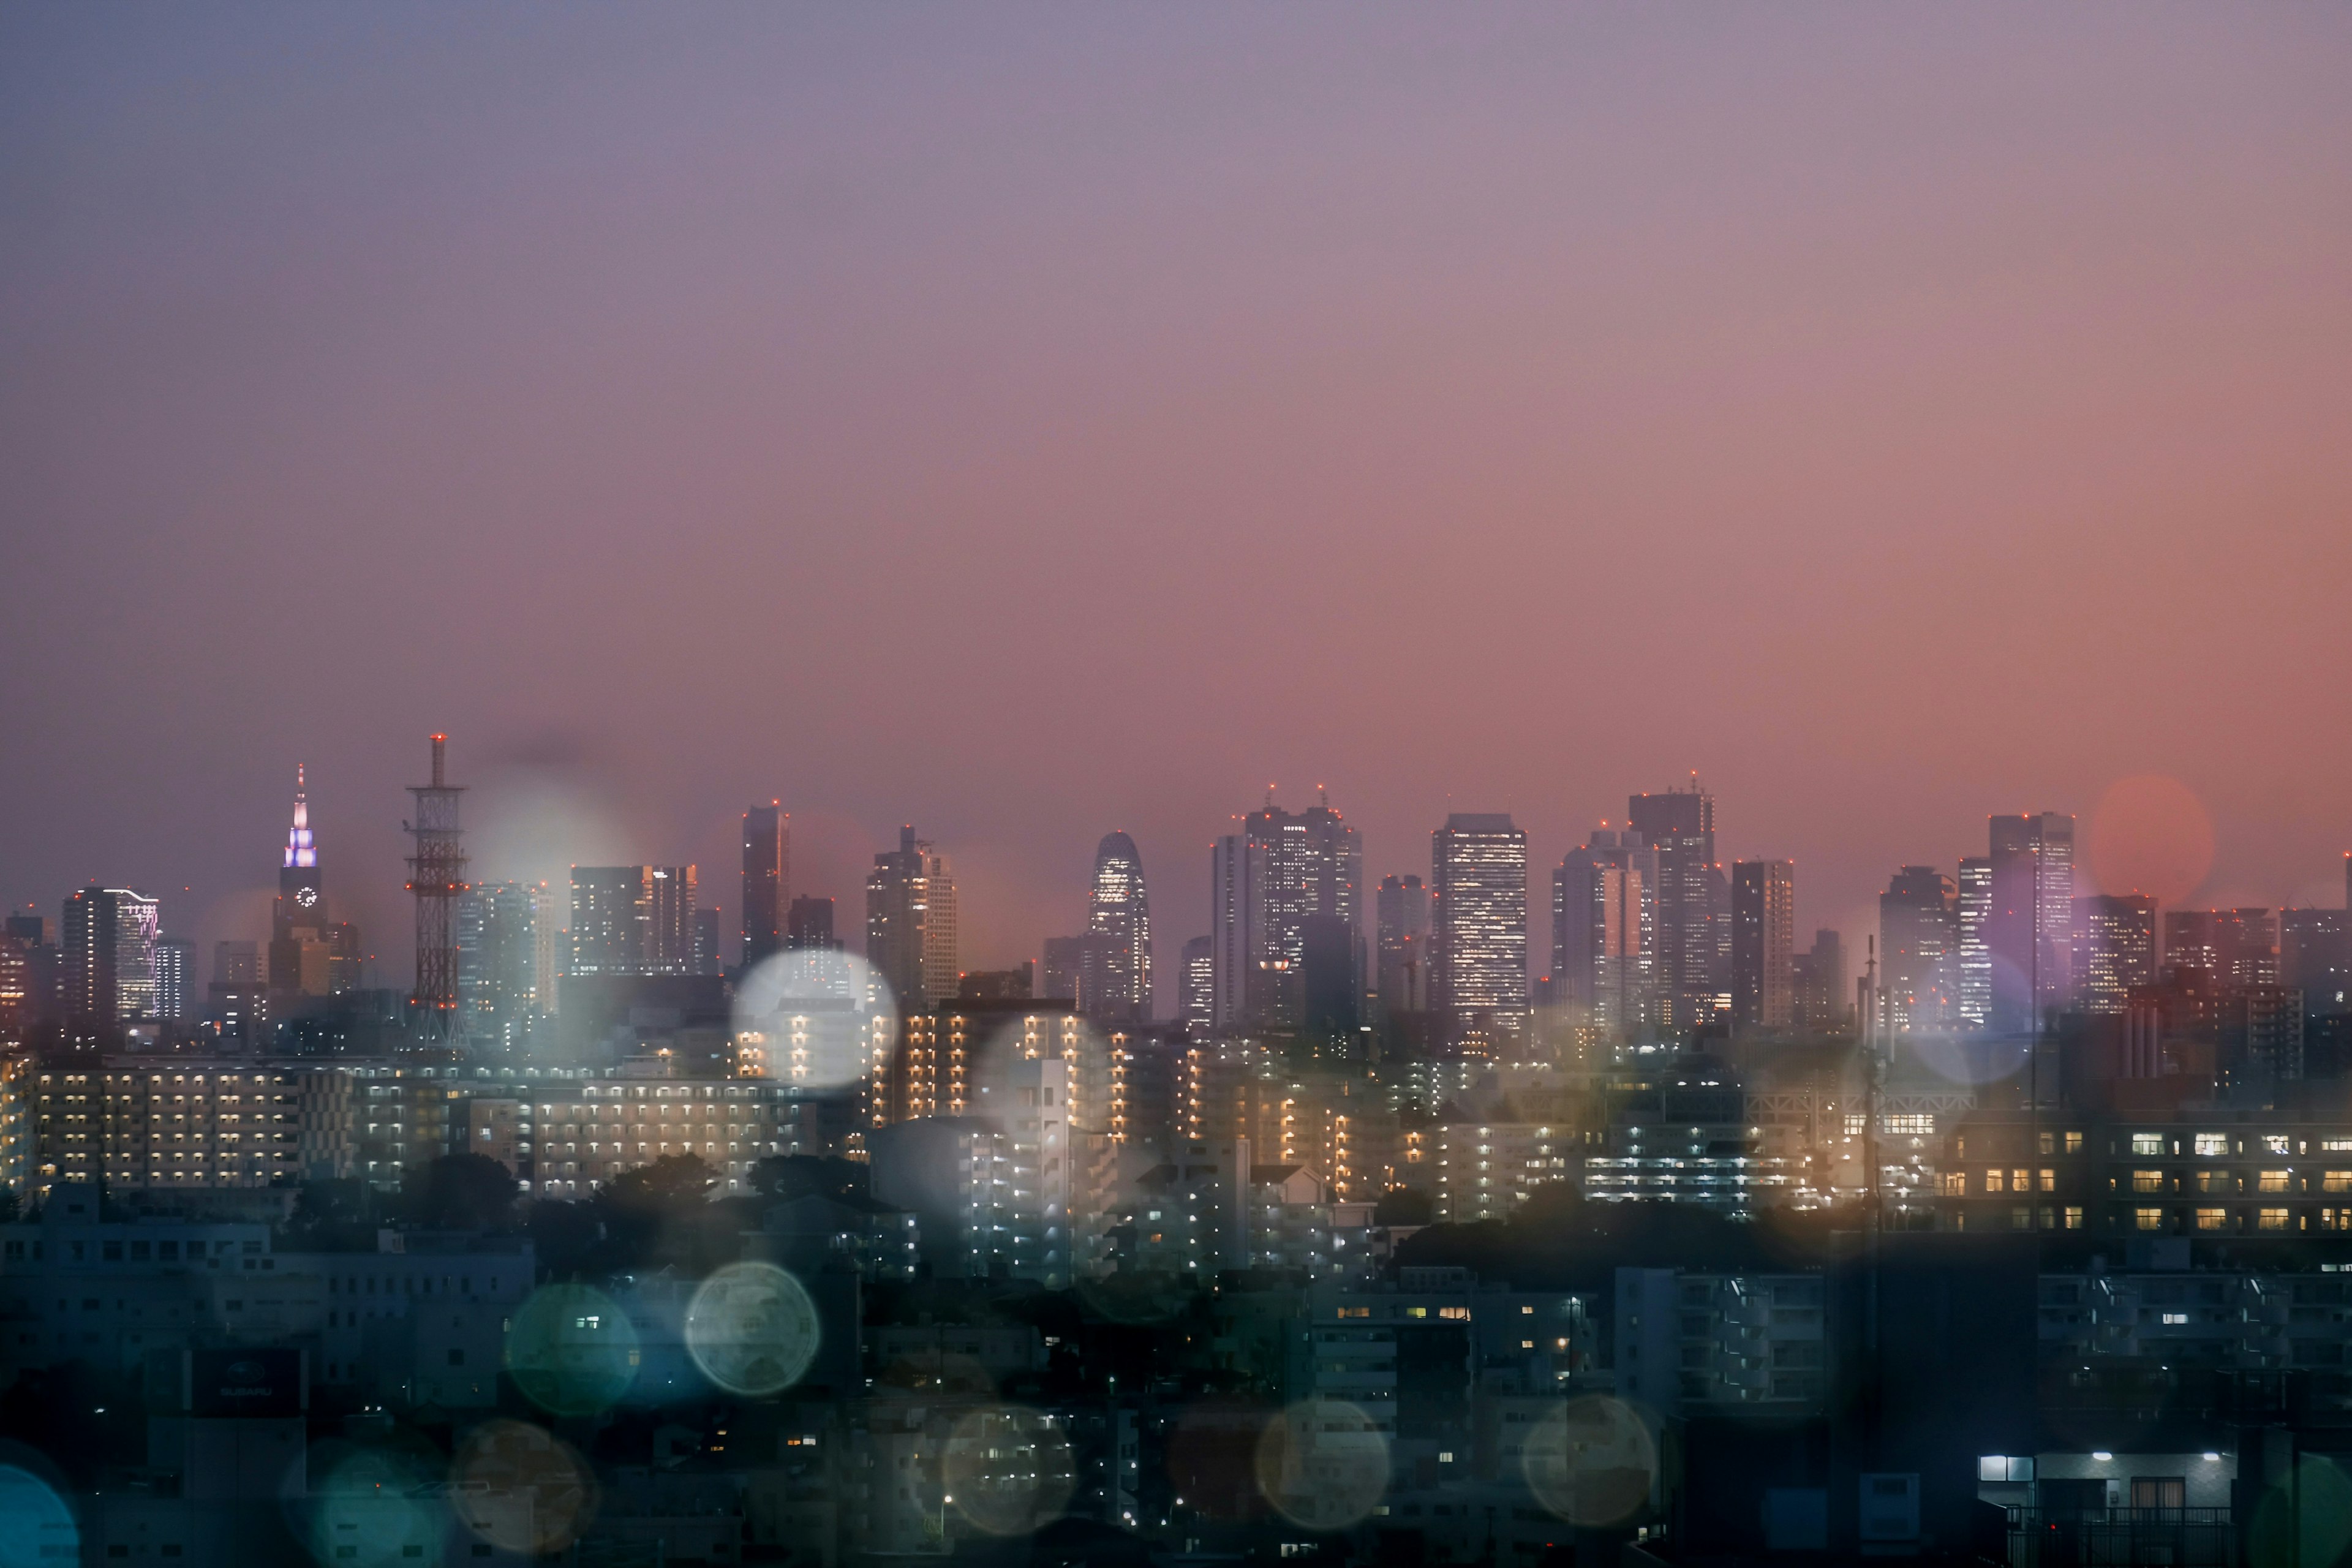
x=437, y=875
x=1918, y=951
x=1083, y=970
x=1763, y=943
x=2316, y=958
x=632, y=920
x=2029, y=932
x=551, y=944
x=1266, y=882
x=2114, y=950
x=1400, y=923
x=2236, y=947
x=297, y=920
x=910, y=922
x=498, y=976
x=808, y=925
x=705, y=958
x=767, y=879
x=1975, y=998
x=45, y=981
x=236, y=964
x=1478, y=924
x=175, y=963
x=1694, y=904
x=1120, y=912
x=1820, y=983
x=1604, y=932
x=1200, y=986
x=14, y=987
x=110, y=955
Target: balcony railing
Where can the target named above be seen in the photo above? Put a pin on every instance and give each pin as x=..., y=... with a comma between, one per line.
x=2082, y=1538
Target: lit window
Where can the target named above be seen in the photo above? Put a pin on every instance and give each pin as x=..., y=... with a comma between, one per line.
x=2273, y=1182
x=2212, y=1219
x=2147, y=1181
x=2147, y=1219
x=2270, y=1219
x=2147, y=1143
x=2212, y=1145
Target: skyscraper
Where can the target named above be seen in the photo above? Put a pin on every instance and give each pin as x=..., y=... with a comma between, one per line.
x=1604, y=940
x=2114, y=950
x=1976, y=957
x=1200, y=986
x=2236, y=947
x=175, y=961
x=499, y=985
x=1763, y=943
x=705, y=958
x=1821, y=992
x=110, y=955
x=808, y=925
x=437, y=875
x=632, y=920
x=2029, y=930
x=1694, y=904
x=1918, y=943
x=767, y=879
x=1266, y=881
x=1401, y=921
x=2316, y=958
x=1120, y=912
x=910, y=922
x=299, y=945
x=1478, y=924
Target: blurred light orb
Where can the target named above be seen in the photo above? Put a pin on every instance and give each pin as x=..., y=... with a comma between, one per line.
x=1008, y=1469
x=752, y=1329
x=1323, y=1463
x=521, y=1490
x=377, y=1509
x=816, y=1017
x=1592, y=1462
x=572, y=1350
x=2151, y=834
x=36, y=1528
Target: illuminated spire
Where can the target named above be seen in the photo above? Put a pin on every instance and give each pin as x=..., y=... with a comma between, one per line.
x=299, y=851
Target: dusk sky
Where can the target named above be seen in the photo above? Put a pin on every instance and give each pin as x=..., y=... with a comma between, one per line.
x=1031, y=422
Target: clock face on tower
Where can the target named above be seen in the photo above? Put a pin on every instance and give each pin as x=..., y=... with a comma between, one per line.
x=306, y=897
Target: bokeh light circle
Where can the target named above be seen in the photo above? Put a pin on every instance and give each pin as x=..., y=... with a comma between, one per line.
x=36, y=1528
x=1323, y=1463
x=572, y=1350
x=519, y=1488
x=377, y=1509
x=814, y=1017
x=1592, y=1462
x=2150, y=834
x=752, y=1329
x=1007, y=1469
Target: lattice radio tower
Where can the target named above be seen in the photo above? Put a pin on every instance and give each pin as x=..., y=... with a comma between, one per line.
x=437, y=875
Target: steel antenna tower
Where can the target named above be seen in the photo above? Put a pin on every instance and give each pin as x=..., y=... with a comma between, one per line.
x=437, y=875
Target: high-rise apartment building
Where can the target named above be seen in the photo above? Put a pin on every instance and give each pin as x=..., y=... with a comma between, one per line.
x=175, y=963
x=1268, y=881
x=767, y=879
x=1694, y=904
x=110, y=955
x=499, y=982
x=1119, y=913
x=1975, y=998
x=1478, y=924
x=1604, y=941
x=2029, y=931
x=1763, y=943
x=910, y=922
x=2114, y=950
x=1200, y=986
x=632, y=920
x=1400, y=923
x=705, y=957
x=1919, y=942
x=1080, y=970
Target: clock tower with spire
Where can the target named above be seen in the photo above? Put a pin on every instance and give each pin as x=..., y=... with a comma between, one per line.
x=301, y=945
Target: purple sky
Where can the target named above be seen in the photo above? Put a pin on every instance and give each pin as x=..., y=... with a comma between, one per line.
x=1028, y=423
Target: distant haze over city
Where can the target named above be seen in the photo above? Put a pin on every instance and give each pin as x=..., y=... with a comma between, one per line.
x=1503, y=425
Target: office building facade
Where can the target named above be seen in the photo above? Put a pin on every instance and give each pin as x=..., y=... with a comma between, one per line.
x=1763, y=943
x=1478, y=924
